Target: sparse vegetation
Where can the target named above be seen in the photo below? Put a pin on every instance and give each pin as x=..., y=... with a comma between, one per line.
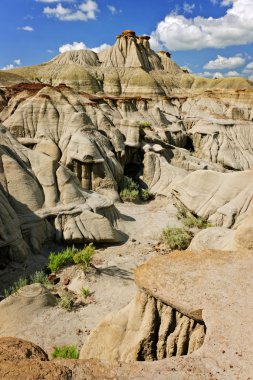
x=66, y=302
x=83, y=257
x=146, y=195
x=71, y=256
x=189, y=220
x=16, y=286
x=58, y=260
x=144, y=124
x=39, y=277
x=131, y=191
x=85, y=292
x=66, y=352
x=177, y=238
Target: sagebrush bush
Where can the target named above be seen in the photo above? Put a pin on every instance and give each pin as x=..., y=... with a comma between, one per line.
x=66, y=352
x=189, y=220
x=177, y=238
x=129, y=190
x=39, y=277
x=146, y=195
x=16, y=286
x=65, y=302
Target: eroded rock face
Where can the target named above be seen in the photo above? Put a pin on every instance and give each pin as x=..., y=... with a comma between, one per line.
x=194, y=284
x=79, y=123
x=145, y=330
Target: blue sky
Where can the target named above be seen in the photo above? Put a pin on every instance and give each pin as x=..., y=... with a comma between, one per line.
x=211, y=37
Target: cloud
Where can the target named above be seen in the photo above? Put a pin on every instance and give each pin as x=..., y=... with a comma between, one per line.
x=250, y=78
x=16, y=62
x=250, y=66
x=188, y=8
x=221, y=63
x=112, y=9
x=82, y=46
x=218, y=75
x=233, y=74
x=74, y=46
x=26, y=28
x=85, y=11
x=101, y=48
x=176, y=32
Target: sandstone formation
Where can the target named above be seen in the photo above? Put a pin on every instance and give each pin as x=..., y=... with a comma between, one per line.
x=192, y=284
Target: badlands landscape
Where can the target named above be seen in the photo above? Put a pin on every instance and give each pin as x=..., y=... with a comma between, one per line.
x=143, y=174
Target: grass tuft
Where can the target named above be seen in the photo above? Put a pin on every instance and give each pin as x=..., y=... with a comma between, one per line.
x=58, y=260
x=85, y=292
x=66, y=302
x=66, y=352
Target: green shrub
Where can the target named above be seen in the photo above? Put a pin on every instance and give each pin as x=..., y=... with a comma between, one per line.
x=177, y=238
x=189, y=220
x=146, y=195
x=129, y=190
x=57, y=260
x=83, y=257
x=39, y=277
x=144, y=124
x=16, y=286
x=127, y=195
x=66, y=302
x=85, y=292
x=66, y=352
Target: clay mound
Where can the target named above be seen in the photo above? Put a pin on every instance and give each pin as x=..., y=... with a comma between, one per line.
x=84, y=58
x=18, y=349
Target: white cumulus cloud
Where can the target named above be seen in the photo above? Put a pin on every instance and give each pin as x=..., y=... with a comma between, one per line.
x=74, y=46
x=176, y=32
x=82, y=46
x=16, y=62
x=101, y=48
x=26, y=28
x=85, y=11
x=221, y=63
x=233, y=74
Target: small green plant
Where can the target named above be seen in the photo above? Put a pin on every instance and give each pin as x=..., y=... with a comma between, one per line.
x=189, y=220
x=58, y=260
x=129, y=190
x=146, y=195
x=16, y=286
x=144, y=124
x=177, y=238
x=85, y=292
x=83, y=257
x=66, y=352
x=66, y=302
x=39, y=277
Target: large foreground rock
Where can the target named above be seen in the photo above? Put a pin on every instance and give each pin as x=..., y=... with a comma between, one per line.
x=210, y=286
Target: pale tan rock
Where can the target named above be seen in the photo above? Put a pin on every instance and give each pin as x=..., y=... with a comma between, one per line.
x=193, y=284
